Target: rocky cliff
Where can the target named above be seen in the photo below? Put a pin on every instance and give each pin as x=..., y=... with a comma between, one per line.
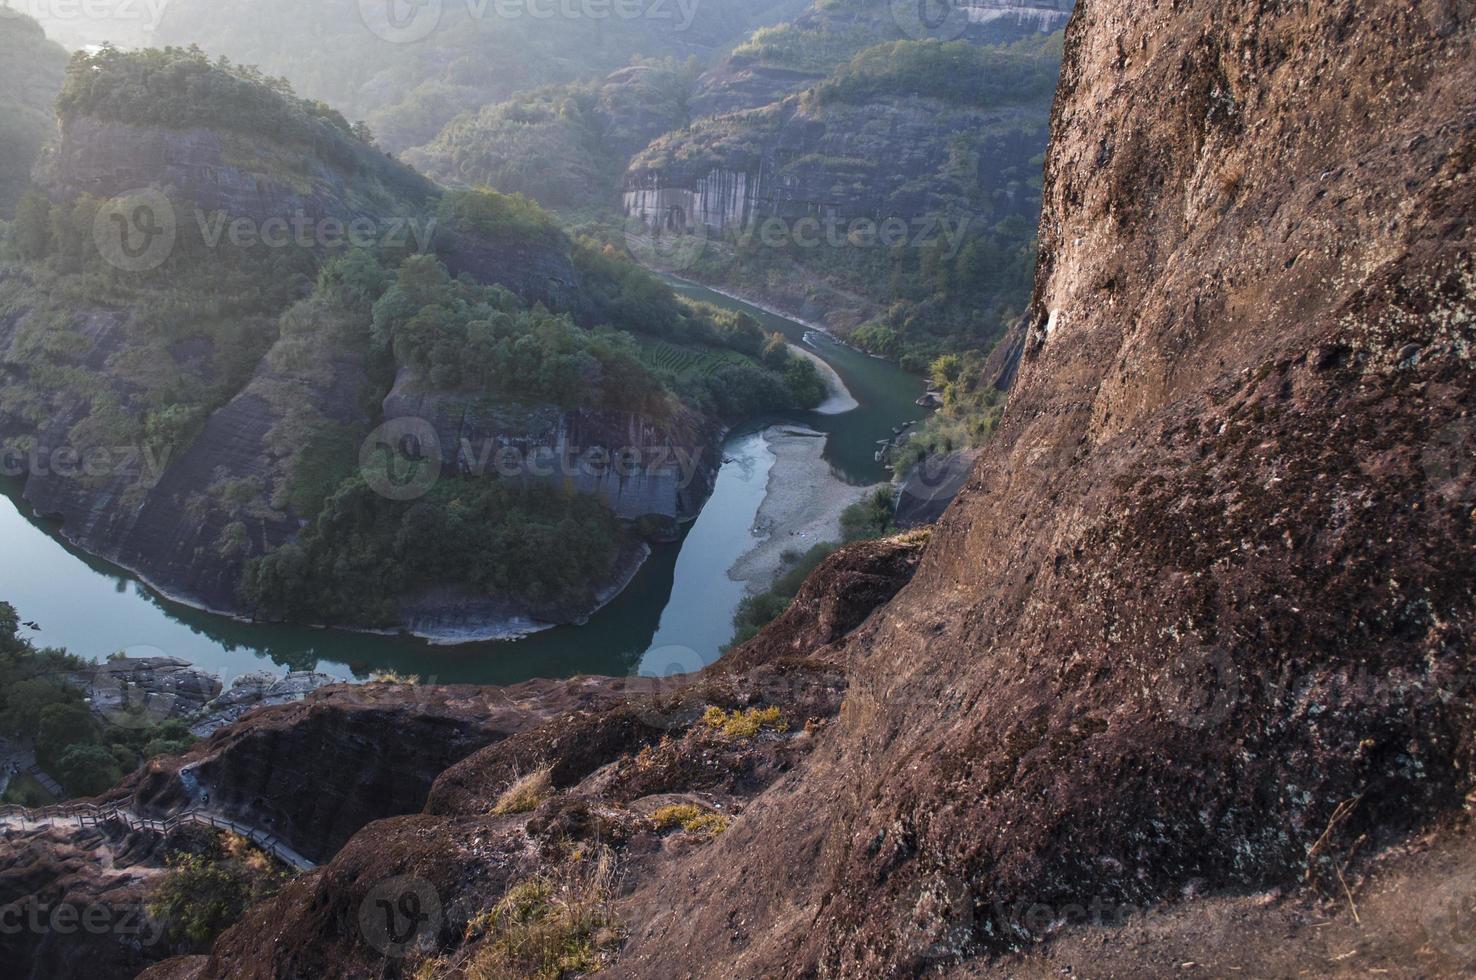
x=859, y=169
x=1199, y=626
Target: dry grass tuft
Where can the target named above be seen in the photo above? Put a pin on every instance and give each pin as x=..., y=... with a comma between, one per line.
x=525, y=793
x=743, y=724
x=691, y=818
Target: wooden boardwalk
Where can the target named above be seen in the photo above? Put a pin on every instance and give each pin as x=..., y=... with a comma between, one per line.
x=16, y=819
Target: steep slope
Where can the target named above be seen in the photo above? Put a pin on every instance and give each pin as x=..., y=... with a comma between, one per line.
x=1199, y=623
x=1210, y=583
x=31, y=70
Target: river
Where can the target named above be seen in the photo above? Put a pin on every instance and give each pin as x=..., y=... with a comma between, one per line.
x=674, y=616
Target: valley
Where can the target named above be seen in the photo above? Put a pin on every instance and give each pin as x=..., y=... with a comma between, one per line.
x=648, y=615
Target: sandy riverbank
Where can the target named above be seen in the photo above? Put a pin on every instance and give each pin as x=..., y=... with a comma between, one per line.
x=840, y=400
x=802, y=505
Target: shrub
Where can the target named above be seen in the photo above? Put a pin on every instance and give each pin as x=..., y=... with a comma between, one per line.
x=525, y=793
x=203, y=895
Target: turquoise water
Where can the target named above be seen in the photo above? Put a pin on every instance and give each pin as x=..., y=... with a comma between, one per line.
x=674, y=616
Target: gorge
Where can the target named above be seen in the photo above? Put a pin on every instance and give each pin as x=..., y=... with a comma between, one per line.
x=1180, y=683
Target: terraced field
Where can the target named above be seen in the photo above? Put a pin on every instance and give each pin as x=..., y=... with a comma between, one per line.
x=686, y=361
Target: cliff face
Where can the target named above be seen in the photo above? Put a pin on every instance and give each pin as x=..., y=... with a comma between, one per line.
x=672, y=461
x=214, y=171
x=1209, y=582
x=835, y=152
x=279, y=390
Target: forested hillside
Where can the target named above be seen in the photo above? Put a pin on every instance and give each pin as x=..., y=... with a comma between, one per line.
x=31, y=69
x=293, y=290
x=408, y=82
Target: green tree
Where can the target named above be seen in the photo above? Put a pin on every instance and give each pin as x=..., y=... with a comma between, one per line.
x=87, y=770
x=32, y=228
x=62, y=726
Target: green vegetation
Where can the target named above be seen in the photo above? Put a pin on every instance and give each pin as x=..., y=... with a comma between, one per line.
x=458, y=334
x=971, y=410
x=364, y=552
x=31, y=70
x=181, y=88
x=42, y=701
x=564, y=146
x=410, y=92
x=23, y=790
x=206, y=892
x=959, y=72
x=869, y=518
